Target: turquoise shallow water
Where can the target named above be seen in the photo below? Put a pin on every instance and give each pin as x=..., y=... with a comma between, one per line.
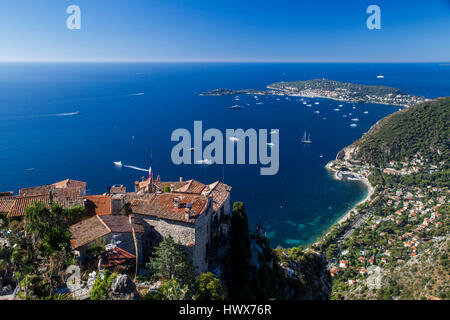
x=126, y=109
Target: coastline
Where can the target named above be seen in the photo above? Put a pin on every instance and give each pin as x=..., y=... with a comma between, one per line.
x=357, y=177
x=337, y=99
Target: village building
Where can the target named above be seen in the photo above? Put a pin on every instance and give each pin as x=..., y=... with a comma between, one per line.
x=184, y=217
x=194, y=214
x=67, y=193
x=107, y=230
x=215, y=232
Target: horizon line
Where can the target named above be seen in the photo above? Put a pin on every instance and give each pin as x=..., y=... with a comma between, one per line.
x=211, y=61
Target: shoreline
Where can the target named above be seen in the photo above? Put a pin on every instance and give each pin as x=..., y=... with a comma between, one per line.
x=355, y=177
x=336, y=99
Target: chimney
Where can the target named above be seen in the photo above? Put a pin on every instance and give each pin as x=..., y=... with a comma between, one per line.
x=176, y=203
x=187, y=211
x=181, y=179
x=172, y=188
x=131, y=218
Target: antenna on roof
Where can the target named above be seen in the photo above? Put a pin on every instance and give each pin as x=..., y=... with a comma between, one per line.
x=223, y=174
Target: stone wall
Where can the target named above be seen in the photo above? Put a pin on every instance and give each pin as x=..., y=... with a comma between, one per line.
x=195, y=237
x=202, y=241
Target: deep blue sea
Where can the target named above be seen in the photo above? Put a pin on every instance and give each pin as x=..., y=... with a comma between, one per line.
x=40, y=142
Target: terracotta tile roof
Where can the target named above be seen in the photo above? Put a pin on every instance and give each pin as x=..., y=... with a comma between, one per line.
x=69, y=183
x=67, y=198
x=121, y=224
x=219, y=192
x=87, y=231
x=116, y=256
x=6, y=204
x=192, y=186
x=45, y=189
x=131, y=196
x=98, y=205
x=35, y=191
x=7, y=194
x=21, y=203
x=160, y=185
x=162, y=206
x=95, y=227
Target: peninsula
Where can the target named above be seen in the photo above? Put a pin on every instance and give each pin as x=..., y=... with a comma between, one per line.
x=330, y=89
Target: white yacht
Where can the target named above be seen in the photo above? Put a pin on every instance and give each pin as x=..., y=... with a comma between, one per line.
x=306, y=140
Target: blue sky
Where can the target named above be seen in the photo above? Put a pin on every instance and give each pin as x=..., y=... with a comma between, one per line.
x=217, y=30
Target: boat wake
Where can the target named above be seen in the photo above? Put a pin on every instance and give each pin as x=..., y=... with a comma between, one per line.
x=119, y=164
x=38, y=116
x=135, y=168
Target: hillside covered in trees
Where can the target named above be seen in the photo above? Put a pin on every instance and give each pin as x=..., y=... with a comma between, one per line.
x=423, y=128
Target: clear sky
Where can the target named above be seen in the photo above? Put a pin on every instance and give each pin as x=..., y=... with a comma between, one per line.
x=225, y=30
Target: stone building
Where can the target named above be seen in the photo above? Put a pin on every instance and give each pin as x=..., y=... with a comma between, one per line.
x=67, y=193
x=219, y=192
x=108, y=230
x=184, y=217
x=211, y=233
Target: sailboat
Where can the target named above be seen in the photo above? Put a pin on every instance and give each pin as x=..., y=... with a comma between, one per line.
x=306, y=140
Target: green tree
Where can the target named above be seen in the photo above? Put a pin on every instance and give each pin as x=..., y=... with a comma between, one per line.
x=172, y=290
x=240, y=253
x=210, y=288
x=101, y=286
x=44, y=223
x=50, y=225
x=172, y=262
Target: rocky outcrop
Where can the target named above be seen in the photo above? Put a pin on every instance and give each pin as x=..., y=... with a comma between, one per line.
x=348, y=153
x=123, y=288
x=308, y=276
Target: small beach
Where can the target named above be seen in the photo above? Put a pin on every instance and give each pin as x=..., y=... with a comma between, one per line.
x=357, y=177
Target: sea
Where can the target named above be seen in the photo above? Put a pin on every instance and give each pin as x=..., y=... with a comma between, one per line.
x=61, y=121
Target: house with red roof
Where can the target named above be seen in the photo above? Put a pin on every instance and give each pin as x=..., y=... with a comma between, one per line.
x=185, y=217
